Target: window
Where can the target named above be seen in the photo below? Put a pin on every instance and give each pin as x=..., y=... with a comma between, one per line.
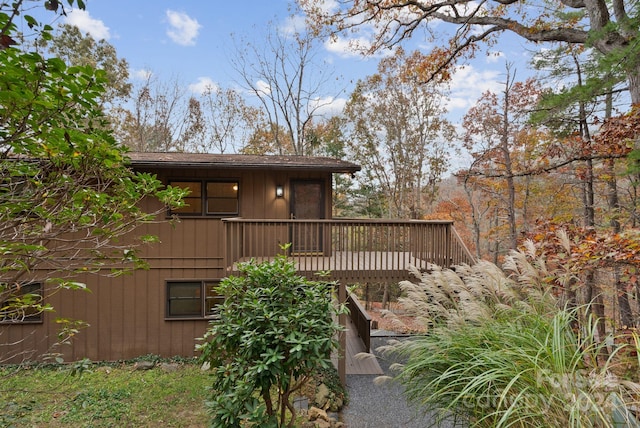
x=192, y=299
x=208, y=198
x=21, y=304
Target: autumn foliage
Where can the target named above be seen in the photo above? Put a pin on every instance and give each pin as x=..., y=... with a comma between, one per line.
x=578, y=249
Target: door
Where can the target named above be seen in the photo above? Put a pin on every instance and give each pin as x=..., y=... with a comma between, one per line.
x=307, y=202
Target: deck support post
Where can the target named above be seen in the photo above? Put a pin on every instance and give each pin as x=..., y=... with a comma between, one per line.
x=342, y=319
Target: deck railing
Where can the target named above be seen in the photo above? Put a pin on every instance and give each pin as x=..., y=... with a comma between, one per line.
x=361, y=320
x=354, y=250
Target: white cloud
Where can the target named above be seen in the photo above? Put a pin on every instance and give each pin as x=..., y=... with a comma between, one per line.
x=81, y=19
x=464, y=9
x=327, y=106
x=183, y=29
x=263, y=87
x=140, y=74
x=327, y=5
x=350, y=48
x=468, y=84
x=341, y=47
x=293, y=25
x=204, y=84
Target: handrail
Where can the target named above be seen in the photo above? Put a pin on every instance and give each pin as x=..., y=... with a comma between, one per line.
x=361, y=320
x=352, y=250
x=337, y=220
x=460, y=249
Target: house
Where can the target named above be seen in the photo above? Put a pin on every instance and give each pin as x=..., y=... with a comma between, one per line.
x=239, y=207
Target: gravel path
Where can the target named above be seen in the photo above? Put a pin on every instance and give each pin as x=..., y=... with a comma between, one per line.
x=380, y=406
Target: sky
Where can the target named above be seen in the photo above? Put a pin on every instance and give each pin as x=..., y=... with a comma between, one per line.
x=191, y=41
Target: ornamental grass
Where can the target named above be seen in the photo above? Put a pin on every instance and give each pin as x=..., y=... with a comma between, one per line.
x=501, y=352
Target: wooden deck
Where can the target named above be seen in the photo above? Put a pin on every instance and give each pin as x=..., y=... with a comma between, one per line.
x=356, y=266
x=361, y=266
x=349, y=251
x=357, y=366
x=352, y=250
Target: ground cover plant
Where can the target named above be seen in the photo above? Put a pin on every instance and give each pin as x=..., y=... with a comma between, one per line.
x=500, y=351
x=85, y=394
x=276, y=329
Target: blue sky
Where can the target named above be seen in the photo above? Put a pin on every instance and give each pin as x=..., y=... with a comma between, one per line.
x=190, y=40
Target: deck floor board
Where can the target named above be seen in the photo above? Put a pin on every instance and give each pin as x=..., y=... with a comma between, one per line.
x=357, y=366
x=356, y=266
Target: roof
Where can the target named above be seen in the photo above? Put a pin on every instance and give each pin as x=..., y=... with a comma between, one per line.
x=235, y=161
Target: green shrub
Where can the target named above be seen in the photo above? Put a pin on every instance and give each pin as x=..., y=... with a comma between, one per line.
x=501, y=353
x=275, y=329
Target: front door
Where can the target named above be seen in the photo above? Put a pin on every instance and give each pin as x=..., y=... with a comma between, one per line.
x=307, y=202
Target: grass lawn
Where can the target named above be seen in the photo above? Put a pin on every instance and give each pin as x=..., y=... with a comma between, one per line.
x=171, y=394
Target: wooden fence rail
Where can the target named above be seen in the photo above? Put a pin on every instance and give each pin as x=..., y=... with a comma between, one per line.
x=352, y=250
x=361, y=320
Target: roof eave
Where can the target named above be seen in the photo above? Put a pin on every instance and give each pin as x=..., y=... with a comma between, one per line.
x=338, y=167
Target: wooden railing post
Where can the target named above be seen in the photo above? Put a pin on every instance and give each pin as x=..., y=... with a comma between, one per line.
x=448, y=255
x=352, y=250
x=226, y=257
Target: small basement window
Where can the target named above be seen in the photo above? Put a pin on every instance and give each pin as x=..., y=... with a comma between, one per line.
x=21, y=304
x=208, y=198
x=193, y=299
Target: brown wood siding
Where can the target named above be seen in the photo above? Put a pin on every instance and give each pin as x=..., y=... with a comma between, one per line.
x=126, y=318
x=126, y=315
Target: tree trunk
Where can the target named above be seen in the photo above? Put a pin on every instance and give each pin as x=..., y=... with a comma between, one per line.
x=595, y=307
x=588, y=220
x=595, y=301
x=626, y=313
x=385, y=296
x=476, y=232
x=475, y=221
x=367, y=300
x=511, y=188
x=633, y=78
x=571, y=303
x=511, y=201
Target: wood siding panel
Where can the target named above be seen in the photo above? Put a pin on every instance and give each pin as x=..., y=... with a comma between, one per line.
x=93, y=305
x=103, y=326
x=250, y=197
x=133, y=301
x=155, y=310
x=116, y=320
x=127, y=314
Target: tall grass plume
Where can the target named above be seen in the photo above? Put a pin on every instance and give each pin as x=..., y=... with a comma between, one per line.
x=500, y=351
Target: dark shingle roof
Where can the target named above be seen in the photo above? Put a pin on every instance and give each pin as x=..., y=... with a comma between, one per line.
x=234, y=161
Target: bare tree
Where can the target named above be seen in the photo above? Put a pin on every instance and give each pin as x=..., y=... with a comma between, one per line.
x=162, y=118
x=288, y=81
x=228, y=121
